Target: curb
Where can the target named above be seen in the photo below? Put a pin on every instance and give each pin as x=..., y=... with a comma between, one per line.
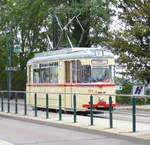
x=75, y=127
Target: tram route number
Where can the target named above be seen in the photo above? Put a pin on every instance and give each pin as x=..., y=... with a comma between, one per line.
x=91, y=91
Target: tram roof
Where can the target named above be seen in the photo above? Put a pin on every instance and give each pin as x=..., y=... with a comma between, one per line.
x=71, y=53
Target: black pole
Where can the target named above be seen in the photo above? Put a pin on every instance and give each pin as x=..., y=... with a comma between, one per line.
x=75, y=108
x=9, y=65
x=110, y=112
x=91, y=109
x=133, y=114
x=47, y=105
x=25, y=104
x=60, y=111
x=35, y=104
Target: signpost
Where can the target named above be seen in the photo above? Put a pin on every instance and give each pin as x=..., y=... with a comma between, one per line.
x=138, y=90
x=13, y=46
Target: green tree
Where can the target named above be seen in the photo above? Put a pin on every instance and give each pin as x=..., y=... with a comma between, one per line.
x=32, y=21
x=132, y=45
x=22, y=19
x=94, y=17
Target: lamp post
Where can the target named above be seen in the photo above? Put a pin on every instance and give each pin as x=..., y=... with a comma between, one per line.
x=13, y=46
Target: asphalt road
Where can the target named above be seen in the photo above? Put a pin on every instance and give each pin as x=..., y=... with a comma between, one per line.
x=25, y=133
x=141, y=116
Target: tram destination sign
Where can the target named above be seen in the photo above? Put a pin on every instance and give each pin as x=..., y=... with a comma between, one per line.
x=11, y=68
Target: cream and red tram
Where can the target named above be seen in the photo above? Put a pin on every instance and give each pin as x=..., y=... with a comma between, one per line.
x=72, y=71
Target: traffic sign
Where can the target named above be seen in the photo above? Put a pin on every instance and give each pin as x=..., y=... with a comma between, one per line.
x=17, y=48
x=10, y=68
x=119, y=88
x=138, y=90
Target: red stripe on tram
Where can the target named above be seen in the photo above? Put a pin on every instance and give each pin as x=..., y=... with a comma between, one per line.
x=70, y=85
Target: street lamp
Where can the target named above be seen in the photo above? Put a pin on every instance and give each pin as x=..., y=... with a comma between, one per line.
x=13, y=46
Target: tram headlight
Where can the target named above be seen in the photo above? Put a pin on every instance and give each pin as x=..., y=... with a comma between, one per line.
x=101, y=98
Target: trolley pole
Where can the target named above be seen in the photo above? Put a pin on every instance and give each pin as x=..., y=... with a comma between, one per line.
x=55, y=33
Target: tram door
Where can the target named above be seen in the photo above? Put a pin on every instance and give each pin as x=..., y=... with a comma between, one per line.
x=68, y=87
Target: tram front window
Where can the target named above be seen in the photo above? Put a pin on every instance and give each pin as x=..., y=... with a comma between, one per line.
x=101, y=74
x=91, y=74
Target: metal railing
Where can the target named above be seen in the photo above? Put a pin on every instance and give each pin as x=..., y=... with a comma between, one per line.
x=18, y=103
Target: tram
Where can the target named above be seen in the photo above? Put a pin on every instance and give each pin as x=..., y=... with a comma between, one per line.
x=80, y=71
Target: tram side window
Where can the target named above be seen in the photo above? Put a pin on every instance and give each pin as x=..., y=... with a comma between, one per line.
x=49, y=73
x=36, y=76
x=44, y=75
x=86, y=73
x=53, y=73
x=80, y=73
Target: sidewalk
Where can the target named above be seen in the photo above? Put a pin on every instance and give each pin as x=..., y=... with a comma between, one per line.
x=101, y=125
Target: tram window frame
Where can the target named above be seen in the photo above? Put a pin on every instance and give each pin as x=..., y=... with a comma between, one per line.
x=44, y=73
x=51, y=73
x=53, y=66
x=36, y=79
x=78, y=72
x=106, y=76
x=86, y=74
